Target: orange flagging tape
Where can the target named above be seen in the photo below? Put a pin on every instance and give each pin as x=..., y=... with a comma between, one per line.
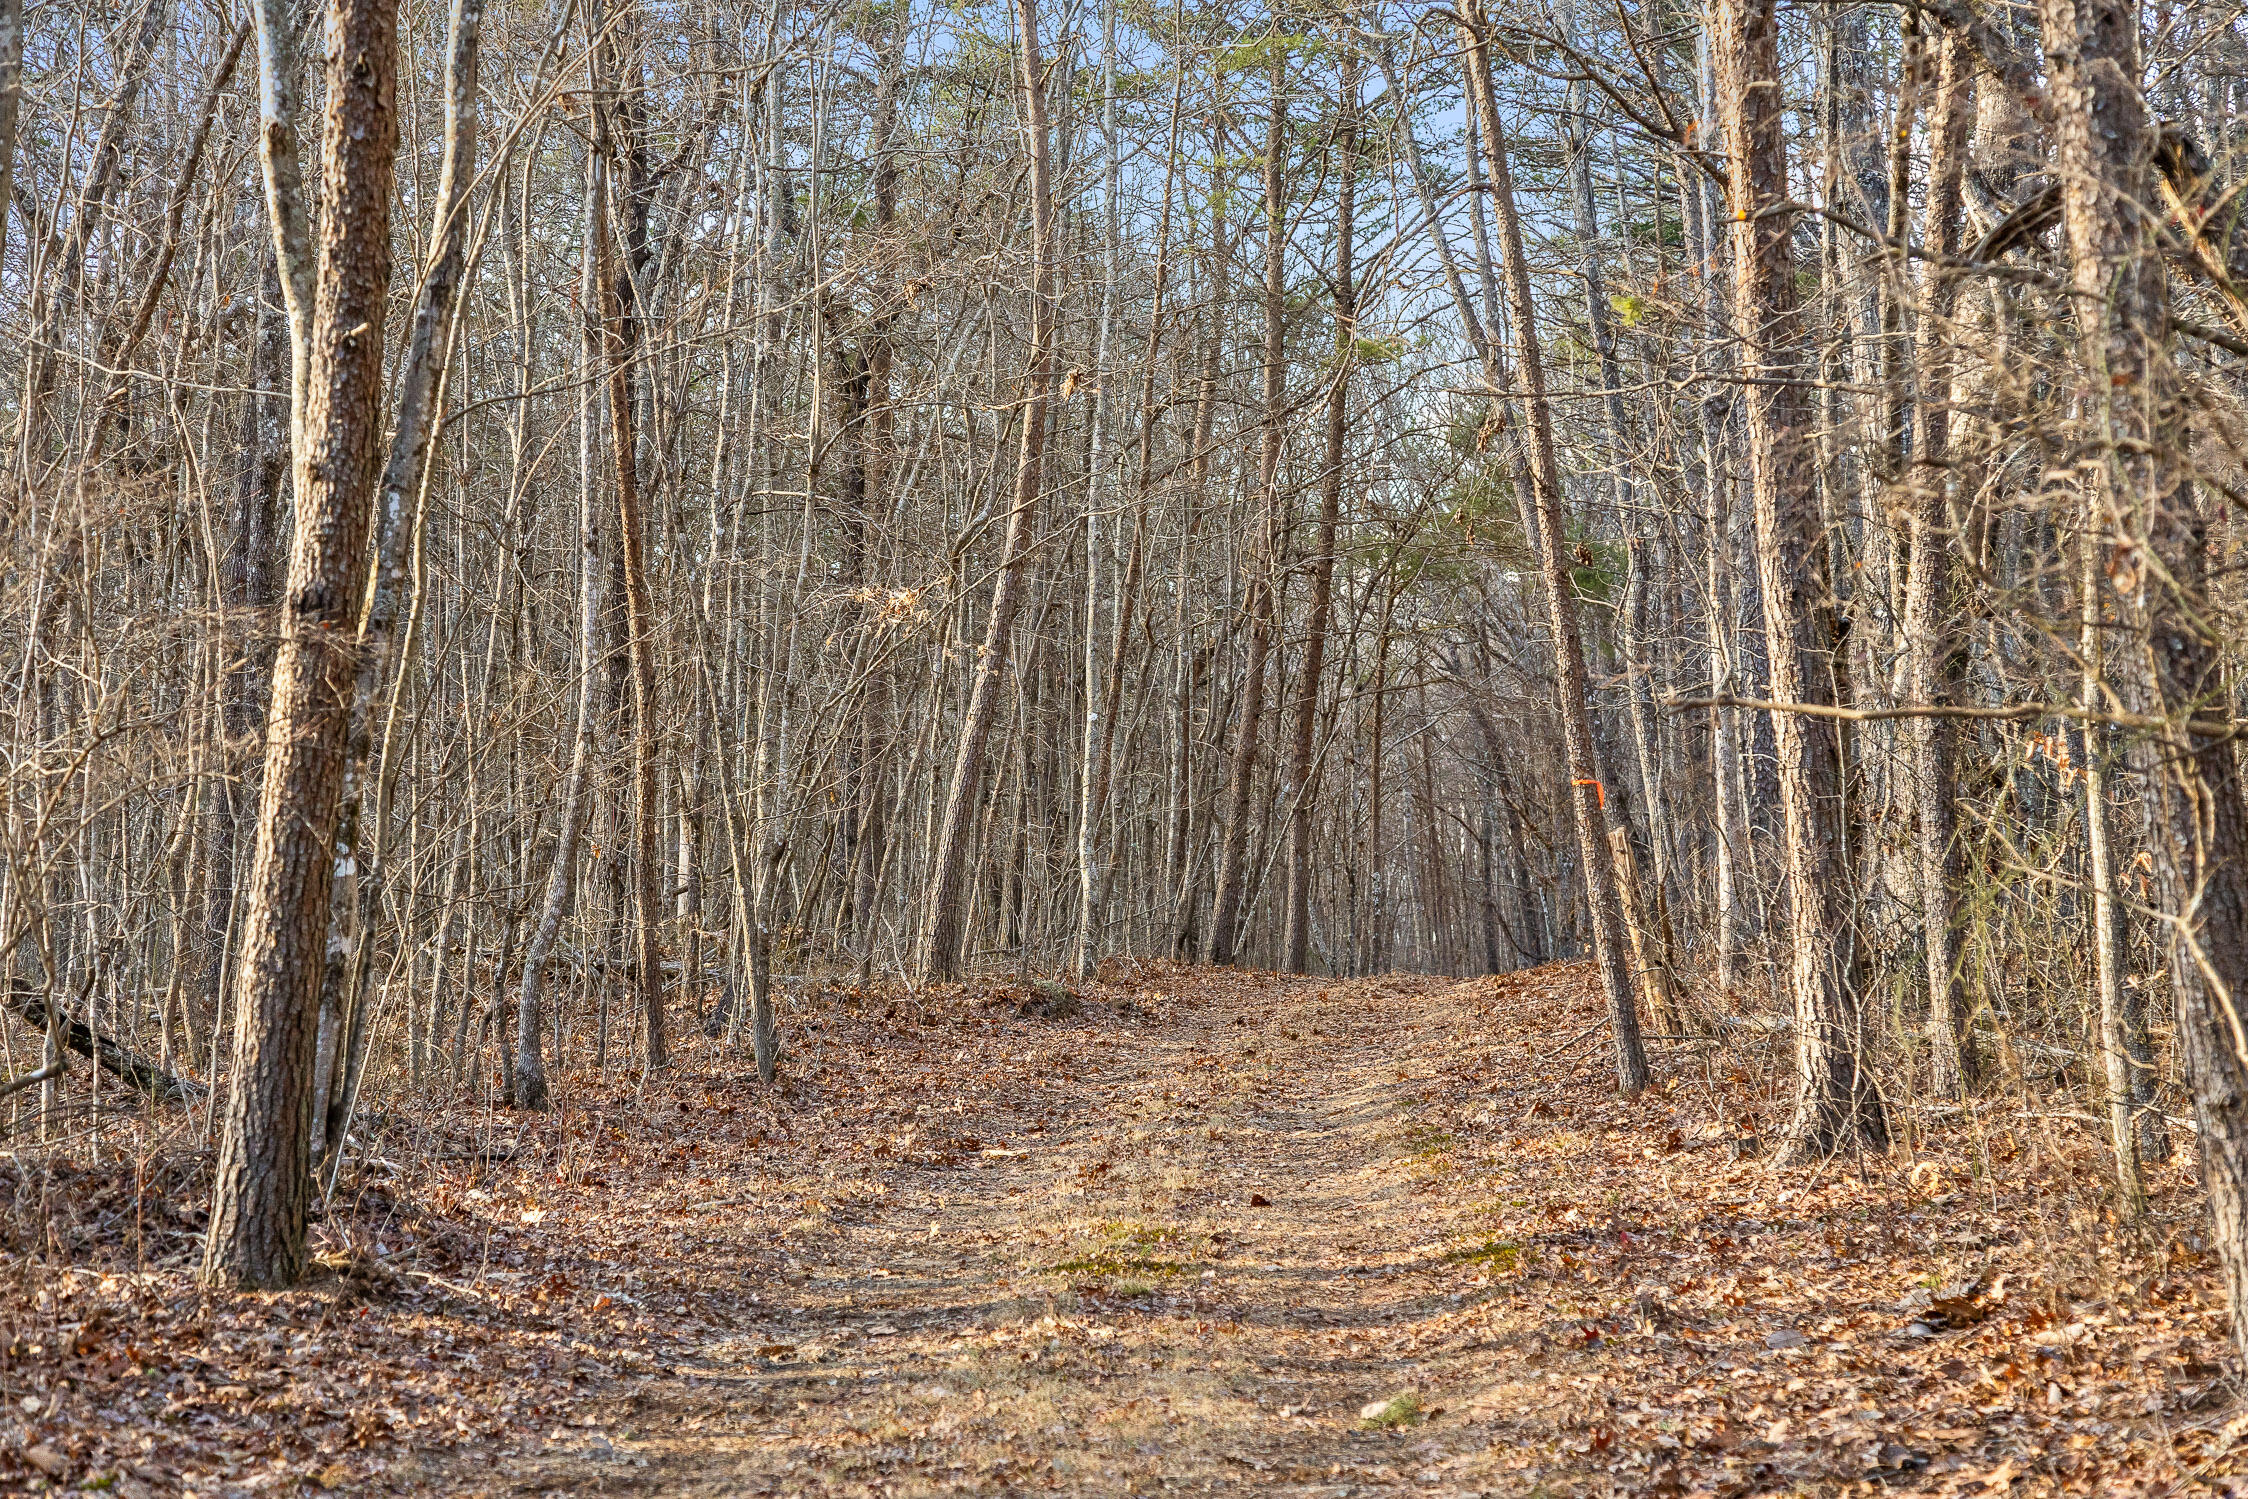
x=1598, y=790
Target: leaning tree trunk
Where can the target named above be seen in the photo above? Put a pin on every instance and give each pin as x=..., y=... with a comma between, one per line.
x=1835, y=1104
x=2105, y=139
x=264, y=1179
x=944, y=932
x=1587, y=798
x=1642, y=904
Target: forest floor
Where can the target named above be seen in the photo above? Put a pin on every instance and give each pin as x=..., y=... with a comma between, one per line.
x=1181, y=1232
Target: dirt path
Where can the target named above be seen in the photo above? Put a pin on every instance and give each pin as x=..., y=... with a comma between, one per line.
x=1190, y=1275
x=1180, y=1244
x=1176, y=1243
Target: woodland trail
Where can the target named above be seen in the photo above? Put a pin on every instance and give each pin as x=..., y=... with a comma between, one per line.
x=1187, y=1270
x=1179, y=1241
x=1171, y=1239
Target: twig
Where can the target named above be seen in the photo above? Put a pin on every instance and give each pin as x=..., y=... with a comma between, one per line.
x=1563, y=1046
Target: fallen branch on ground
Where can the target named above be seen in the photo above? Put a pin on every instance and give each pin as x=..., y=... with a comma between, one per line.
x=152, y=1080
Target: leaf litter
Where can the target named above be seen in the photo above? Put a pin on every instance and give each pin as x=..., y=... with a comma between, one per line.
x=1178, y=1230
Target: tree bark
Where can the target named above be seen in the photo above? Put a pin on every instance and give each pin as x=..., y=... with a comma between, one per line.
x=1928, y=640
x=11, y=103
x=161, y=1085
x=2105, y=137
x=1295, y=942
x=616, y=142
x=1835, y=1103
x=264, y=1177
x=1182, y=863
x=280, y=26
x=1100, y=700
x=362, y=828
x=2117, y=1003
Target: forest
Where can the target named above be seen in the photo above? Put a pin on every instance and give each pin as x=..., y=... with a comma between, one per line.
x=1117, y=746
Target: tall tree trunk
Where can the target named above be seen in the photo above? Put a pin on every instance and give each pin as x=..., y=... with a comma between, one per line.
x=362, y=829
x=1182, y=841
x=1928, y=641
x=1295, y=941
x=616, y=139
x=1100, y=704
x=1587, y=798
x=2118, y=1003
x=251, y=590
x=878, y=703
x=529, y=1083
x=1377, y=887
x=1731, y=859
x=1835, y=1105
x=1226, y=917
x=1649, y=939
x=264, y=1177
x=2105, y=138
x=944, y=931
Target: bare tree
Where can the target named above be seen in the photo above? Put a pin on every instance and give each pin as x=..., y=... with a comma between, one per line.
x=1303, y=767
x=1836, y=1105
x=617, y=143
x=944, y=931
x=1587, y=781
x=530, y=1083
x=1855, y=570
x=2105, y=137
x=1233, y=871
x=1928, y=589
